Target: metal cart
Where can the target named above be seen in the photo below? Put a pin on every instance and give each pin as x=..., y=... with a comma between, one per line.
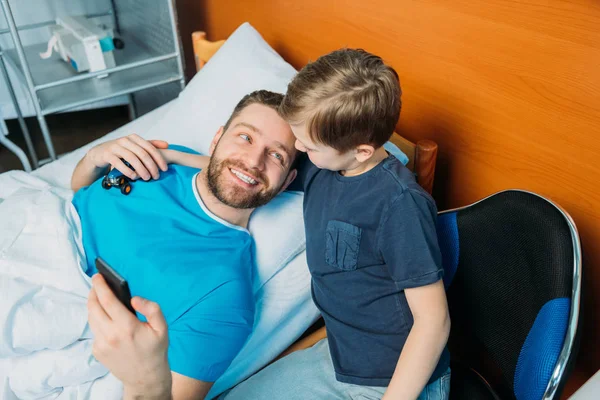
x=13, y=147
x=151, y=57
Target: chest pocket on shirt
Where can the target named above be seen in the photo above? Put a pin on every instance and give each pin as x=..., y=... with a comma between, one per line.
x=342, y=245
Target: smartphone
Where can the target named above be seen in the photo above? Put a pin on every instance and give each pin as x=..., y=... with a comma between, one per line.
x=115, y=282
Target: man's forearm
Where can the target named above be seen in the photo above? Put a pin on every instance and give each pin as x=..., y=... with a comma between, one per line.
x=418, y=360
x=135, y=395
x=85, y=174
x=158, y=389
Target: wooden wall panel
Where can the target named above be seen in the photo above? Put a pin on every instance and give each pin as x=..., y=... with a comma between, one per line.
x=509, y=89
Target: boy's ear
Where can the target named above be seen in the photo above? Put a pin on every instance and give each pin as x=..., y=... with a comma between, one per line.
x=364, y=152
x=215, y=140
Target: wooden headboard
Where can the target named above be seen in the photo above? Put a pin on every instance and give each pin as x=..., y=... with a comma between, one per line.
x=509, y=90
x=422, y=155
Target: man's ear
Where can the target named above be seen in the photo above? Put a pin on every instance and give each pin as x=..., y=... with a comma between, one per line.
x=364, y=152
x=290, y=178
x=215, y=140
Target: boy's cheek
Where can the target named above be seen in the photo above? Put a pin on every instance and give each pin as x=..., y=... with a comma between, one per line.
x=318, y=163
x=299, y=147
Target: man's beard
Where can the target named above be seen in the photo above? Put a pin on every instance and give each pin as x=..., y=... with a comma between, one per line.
x=234, y=195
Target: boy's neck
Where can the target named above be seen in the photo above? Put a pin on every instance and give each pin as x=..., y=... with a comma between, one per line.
x=361, y=167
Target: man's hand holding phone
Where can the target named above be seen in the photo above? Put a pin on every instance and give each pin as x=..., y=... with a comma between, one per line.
x=134, y=351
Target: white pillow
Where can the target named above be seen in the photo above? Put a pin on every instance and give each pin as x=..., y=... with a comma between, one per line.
x=243, y=64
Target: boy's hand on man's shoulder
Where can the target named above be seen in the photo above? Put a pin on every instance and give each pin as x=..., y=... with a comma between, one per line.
x=169, y=155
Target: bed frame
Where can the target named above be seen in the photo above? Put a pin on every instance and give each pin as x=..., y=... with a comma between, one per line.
x=422, y=155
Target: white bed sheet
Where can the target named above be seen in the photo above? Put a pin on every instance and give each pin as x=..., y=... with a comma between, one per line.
x=284, y=304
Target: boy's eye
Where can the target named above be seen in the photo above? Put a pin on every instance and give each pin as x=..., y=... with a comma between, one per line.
x=245, y=137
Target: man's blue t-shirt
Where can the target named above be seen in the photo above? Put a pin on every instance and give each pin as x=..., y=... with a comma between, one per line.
x=172, y=250
x=368, y=238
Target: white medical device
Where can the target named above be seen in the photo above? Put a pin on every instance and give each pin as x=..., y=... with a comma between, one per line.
x=82, y=44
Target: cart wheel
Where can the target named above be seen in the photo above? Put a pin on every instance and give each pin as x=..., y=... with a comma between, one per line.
x=105, y=184
x=126, y=189
x=121, y=181
x=118, y=43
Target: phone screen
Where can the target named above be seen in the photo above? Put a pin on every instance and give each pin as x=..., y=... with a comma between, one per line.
x=115, y=282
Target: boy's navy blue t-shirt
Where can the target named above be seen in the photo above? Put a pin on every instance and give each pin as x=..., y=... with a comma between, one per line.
x=368, y=238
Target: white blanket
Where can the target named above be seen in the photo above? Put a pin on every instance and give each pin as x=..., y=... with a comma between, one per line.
x=45, y=345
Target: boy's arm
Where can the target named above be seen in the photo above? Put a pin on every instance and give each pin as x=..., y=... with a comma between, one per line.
x=187, y=159
x=425, y=342
x=409, y=245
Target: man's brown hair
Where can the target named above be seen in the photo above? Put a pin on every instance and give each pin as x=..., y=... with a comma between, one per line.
x=264, y=97
x=346, y=98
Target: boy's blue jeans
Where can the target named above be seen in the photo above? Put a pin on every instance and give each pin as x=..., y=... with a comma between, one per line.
x=309, y=374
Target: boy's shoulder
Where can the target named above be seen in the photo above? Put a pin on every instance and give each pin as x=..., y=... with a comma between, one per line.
x=399, y=180
x=388, y=182
x=394, y=187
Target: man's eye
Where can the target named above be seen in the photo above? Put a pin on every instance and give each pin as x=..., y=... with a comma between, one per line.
x=278, y=156
x=245, y=137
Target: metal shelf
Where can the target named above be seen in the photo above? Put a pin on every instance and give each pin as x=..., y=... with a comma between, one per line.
x=54, y=71
x=59, y=87
x=52, y=22
x=66, y=96
x=153, y=61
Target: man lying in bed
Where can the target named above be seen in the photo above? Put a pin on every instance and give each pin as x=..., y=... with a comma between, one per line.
x=180, y=238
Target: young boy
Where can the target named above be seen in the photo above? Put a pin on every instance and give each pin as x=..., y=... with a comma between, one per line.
x=371, y=246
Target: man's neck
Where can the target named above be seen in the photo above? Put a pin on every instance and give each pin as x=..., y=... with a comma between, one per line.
x=360, y=168
x=235, y=216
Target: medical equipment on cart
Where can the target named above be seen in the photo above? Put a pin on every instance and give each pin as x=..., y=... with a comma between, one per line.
x=83, y=44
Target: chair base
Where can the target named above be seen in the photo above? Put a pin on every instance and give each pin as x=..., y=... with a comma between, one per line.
x=465, y=383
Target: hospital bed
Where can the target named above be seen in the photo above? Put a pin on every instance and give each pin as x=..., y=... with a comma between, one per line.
x=285, y=311
x=243, y=63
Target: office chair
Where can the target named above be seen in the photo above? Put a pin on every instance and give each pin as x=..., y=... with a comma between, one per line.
x=512, y=267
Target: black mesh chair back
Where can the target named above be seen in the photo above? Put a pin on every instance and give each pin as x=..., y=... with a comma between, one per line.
x=513, y=277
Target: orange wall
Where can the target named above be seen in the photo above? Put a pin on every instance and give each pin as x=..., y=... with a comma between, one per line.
x=510, y=90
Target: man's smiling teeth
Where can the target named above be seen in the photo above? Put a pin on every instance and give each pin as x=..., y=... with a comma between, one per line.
x=243, y=177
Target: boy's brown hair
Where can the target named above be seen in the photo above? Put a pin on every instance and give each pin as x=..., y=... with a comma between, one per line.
x=346, y=98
